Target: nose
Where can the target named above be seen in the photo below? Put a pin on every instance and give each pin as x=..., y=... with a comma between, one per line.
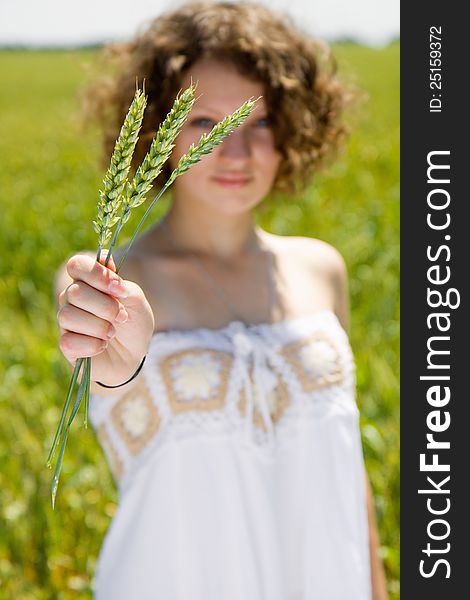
x=236, y=145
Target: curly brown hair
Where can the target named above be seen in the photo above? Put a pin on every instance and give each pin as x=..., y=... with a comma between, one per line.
x=303, y=95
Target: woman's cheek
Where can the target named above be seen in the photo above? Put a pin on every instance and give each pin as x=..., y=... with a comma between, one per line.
x=263, y=140
x=270, y=158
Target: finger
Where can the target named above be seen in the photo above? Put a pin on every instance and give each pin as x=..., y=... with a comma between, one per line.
x=111, y=264
x=84, y=268
x=75, y=345
x=75, y=320
x=62, y=298
x=82, y=296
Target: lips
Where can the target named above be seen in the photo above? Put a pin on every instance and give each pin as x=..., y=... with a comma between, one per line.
x=232, y=180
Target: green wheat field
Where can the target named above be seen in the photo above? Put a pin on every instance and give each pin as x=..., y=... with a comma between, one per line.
x=49, y=177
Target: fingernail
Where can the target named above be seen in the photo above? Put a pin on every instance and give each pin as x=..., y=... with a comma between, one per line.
x=111, y=332
x=118, y=288
x=122, y=316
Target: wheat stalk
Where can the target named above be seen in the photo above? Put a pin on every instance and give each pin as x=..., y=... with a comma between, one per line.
x=109, y=204
x=119, y=197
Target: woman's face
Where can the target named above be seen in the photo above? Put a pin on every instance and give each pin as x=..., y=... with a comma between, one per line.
x=241, y=170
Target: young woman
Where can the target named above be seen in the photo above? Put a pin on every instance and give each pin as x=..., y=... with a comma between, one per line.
x=236, y=447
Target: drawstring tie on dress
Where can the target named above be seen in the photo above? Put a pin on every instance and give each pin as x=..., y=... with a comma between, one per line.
x=252, y=349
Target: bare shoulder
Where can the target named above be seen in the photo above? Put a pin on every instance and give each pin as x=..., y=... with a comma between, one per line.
x=312, y=252
x=319, y=260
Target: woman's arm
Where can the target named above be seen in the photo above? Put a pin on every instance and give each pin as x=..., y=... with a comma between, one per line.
x=379, y=585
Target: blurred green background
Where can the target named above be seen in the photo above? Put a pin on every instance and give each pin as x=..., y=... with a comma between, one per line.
x=49, y=177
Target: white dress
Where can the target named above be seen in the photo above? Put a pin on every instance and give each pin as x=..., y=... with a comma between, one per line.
x=240, y=469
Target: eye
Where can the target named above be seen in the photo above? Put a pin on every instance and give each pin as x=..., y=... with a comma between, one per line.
x=203, y=122
x=262, y=123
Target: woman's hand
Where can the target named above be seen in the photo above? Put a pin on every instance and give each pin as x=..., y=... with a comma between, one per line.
x=105, y=317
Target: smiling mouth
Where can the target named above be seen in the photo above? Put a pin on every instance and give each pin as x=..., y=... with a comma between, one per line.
x=232, y=181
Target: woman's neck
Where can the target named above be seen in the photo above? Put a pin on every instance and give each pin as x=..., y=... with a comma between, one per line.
x=222, y=236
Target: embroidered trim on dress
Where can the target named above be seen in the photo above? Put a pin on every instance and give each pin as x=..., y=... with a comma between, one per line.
x=315, y=361
x=136, y=418
x=203, y=388
x=196, y=379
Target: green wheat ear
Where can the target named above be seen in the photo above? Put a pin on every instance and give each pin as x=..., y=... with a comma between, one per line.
x=158, y=154
x=114, y=182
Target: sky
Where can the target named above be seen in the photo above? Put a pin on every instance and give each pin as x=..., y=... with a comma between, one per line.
x=75, y=22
